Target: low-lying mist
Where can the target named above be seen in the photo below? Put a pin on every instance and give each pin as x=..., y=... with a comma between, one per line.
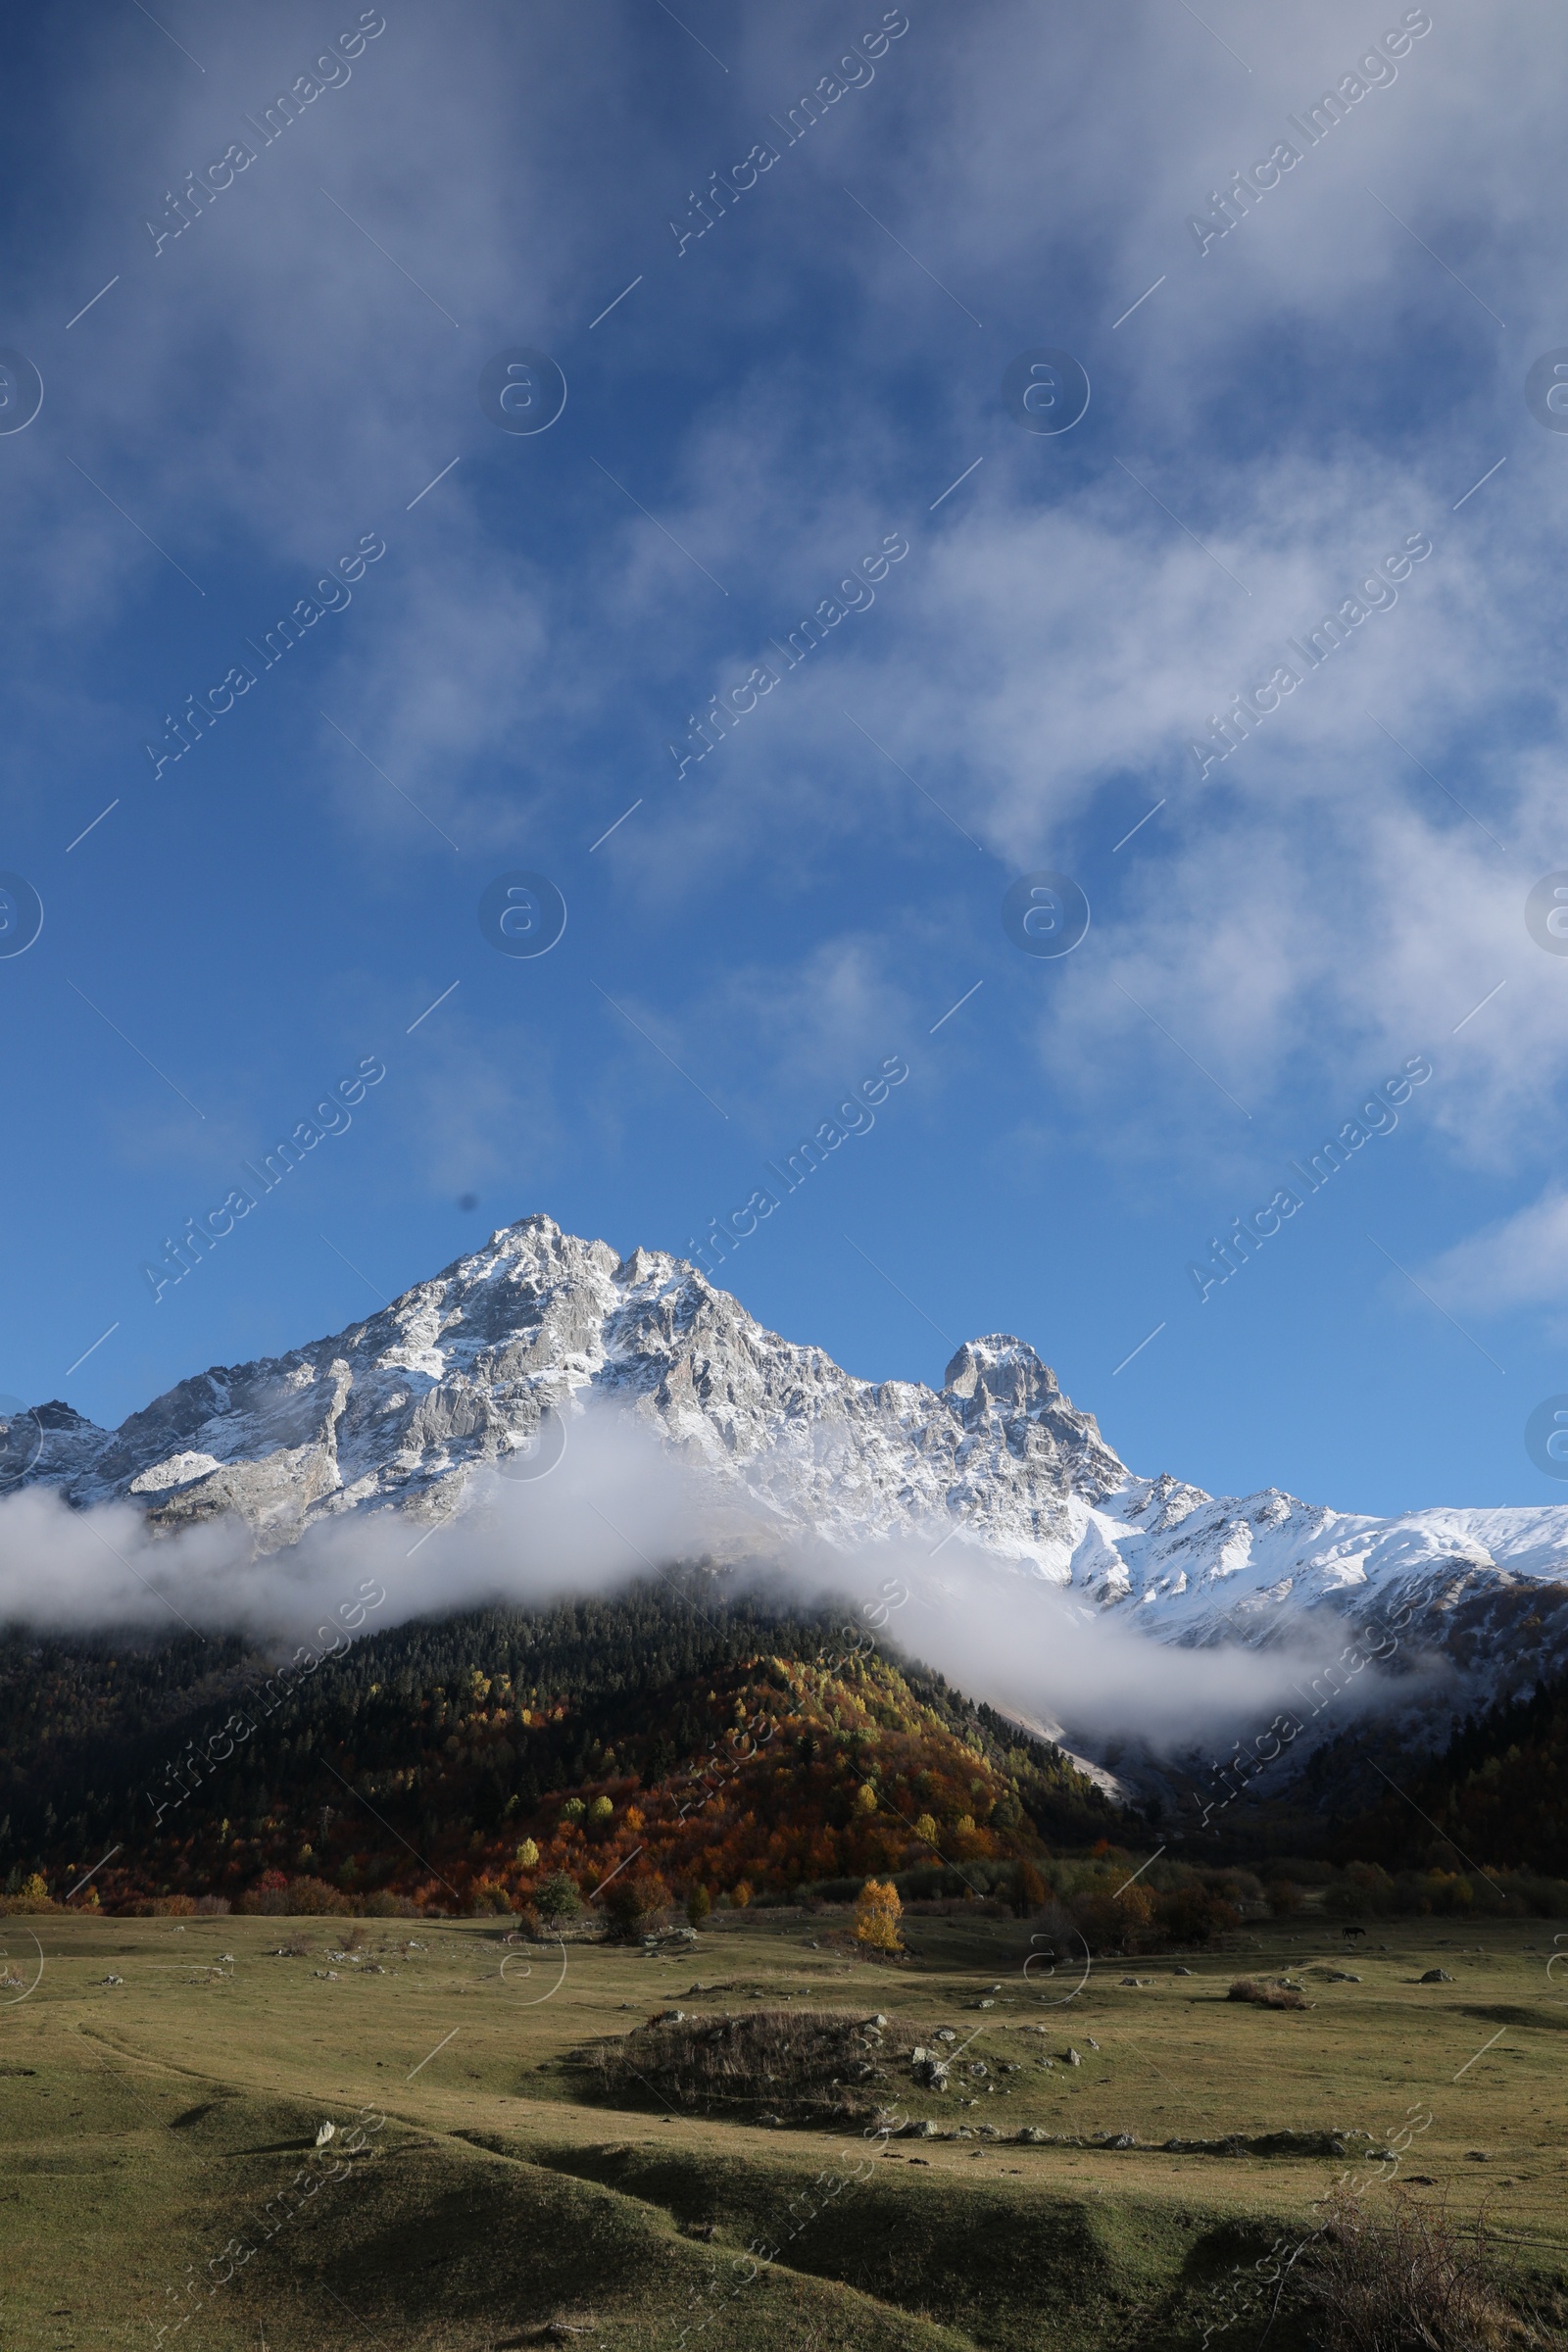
x=619, y=1506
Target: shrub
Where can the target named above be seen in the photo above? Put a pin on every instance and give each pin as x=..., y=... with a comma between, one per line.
x=1408, y=2275
x=1264, y=1995
x=635, y=1901
x=1194, y=1915
x=698, y=1904
x=559, y=1898
x=1447, y=1891
x=1031, y=1894
x=32, y=1895
x=315, y=1900
x=877, y=1913
x=1121, y=1922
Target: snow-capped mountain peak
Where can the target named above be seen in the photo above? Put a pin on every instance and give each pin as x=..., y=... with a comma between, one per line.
x=406, y=1408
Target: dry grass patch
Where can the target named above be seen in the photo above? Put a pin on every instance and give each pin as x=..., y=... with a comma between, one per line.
x=1412, y=2278
x=1266, y=1995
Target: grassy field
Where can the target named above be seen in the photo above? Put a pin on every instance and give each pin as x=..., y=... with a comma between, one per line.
x=159, y=2169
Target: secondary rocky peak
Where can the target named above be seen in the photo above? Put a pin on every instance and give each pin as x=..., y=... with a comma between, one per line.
x=1000, y=1379
x=1004, y=1369
x=647, y=1266
x=58, y=1415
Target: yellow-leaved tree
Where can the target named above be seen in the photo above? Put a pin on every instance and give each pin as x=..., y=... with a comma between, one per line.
x=878, y=1912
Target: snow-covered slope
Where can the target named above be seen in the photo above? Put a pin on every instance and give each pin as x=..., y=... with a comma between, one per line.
x=401, y=1410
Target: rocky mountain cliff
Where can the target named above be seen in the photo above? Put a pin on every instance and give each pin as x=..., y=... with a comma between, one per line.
x=462, y=1376
x=458, y=1375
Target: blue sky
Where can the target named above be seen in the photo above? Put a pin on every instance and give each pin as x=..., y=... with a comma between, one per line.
x=752, y=415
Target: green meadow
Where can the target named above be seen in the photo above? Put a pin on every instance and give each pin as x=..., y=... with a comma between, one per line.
x=162, y=2181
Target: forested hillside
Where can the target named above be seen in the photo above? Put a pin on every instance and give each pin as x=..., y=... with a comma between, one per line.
x=1498, y=1793
x=469, y=1759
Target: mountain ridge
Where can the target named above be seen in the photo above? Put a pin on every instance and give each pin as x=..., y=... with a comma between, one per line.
x=405, y=1410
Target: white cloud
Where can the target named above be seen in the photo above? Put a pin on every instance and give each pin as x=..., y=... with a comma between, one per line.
x=1519, y=1263
x=1318, y=905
